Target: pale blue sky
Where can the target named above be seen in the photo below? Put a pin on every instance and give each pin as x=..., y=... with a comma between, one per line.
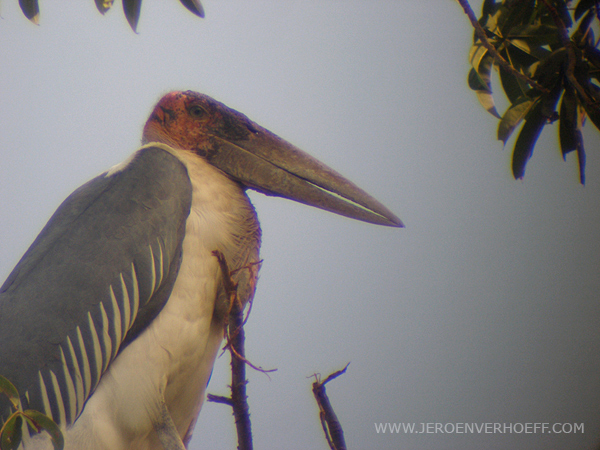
x=484, y=309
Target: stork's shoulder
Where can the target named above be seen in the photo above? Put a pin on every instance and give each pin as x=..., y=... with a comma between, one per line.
x=152, y=178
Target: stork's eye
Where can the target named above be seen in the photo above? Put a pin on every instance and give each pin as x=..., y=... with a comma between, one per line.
x=196, y=111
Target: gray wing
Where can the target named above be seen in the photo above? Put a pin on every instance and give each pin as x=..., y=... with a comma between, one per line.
x=95, y=277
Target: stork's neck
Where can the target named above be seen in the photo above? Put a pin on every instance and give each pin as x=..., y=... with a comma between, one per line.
x=221, y=214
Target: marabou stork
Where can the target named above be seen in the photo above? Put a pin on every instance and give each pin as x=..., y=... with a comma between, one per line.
x=111, y=321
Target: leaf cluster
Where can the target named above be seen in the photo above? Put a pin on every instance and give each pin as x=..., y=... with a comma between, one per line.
x=11, y=432
x=131, y=8
x=545, y=53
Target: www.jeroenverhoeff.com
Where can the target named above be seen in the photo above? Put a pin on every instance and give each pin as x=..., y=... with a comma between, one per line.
x=478, y=428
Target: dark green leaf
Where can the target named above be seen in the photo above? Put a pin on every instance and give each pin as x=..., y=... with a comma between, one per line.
x=526, y=141
x=550, y=69
x=534, y=123
x=489, y=7
x=513, y=87
x=490, y=25
x=592, y=108
x=11, y=433
x=514, y=115
x=593, y=112
x=546, y=14
x=568, y=127
x=9, y=389
x=522, y=57
x=31, y=10
x=43, y=422
x=475, y=82
x=548, y=103
x=571, y=137
x=480, y=82
x=194, y=6
x=563, y=11
x=528, y=30
x=593, y=56
x=581, y=161
x=535, y=35
x=536, y=47
x=487, y=101
x=582, y=7
x=476, y=55
x=515, y=14
x=584, y=33
x=104, y=5
x=132, y=10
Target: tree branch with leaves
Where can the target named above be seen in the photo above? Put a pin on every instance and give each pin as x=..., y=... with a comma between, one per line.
x=552, y=56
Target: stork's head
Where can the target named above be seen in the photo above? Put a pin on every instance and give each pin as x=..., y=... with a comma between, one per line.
x=257, y=158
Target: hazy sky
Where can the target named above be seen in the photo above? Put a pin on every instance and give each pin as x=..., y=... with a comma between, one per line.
x=483, y=309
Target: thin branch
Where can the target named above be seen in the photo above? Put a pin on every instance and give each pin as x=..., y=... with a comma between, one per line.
x=480, y=32
x=329, y=421
x=571, y=56
x=235, y=341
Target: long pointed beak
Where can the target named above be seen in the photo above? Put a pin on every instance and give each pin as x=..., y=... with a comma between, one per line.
x=268, y=164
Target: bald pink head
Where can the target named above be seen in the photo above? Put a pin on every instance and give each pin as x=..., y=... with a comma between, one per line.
x=255, y=157
x=190, y=120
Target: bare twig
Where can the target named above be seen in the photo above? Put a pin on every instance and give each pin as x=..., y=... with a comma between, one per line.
x=329, y=421
x=497, y=56
x=219, y=399
x=231, y=288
